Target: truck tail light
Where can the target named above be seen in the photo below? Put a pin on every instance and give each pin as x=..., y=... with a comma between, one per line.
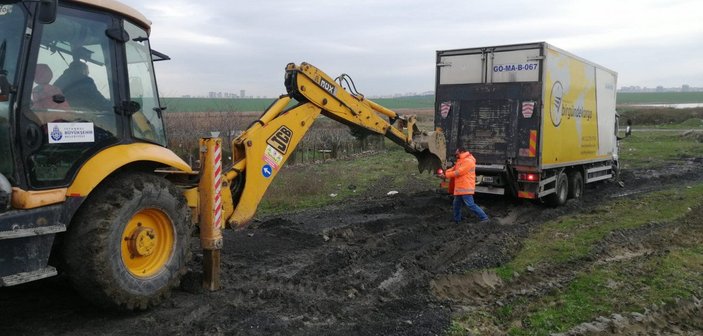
x=529, y=177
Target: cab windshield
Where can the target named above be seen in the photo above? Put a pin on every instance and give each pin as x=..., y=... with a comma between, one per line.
x=12, y=25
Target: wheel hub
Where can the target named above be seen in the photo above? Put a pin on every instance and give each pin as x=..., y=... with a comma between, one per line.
x=142, y=242
x=147, y=243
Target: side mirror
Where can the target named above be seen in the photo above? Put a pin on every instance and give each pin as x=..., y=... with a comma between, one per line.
x=132, y=107
x=628, y=129
x=47, y=11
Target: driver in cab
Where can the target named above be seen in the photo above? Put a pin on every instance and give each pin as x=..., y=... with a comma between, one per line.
x=80, y=90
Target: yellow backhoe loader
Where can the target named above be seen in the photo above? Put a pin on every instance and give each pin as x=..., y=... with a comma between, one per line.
x=87, y=185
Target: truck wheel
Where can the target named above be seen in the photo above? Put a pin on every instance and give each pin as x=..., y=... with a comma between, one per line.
x=562, y=191
x=575, y=184
x=128, y=244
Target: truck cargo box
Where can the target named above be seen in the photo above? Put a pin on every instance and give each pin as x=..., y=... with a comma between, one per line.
x=526, y=107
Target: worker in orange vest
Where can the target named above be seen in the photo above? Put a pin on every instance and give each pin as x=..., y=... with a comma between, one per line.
x=464, y=175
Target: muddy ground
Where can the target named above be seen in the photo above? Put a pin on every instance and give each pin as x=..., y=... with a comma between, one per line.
x=377, y=265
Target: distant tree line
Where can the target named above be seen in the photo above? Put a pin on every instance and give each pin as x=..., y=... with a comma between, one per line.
x=327, y=139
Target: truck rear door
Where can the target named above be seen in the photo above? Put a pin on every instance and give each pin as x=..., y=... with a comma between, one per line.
x=488, y=99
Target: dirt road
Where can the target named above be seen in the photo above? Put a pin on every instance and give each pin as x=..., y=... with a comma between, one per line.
x=381, y=265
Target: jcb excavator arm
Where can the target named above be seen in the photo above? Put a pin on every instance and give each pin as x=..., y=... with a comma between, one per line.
x=260, y=152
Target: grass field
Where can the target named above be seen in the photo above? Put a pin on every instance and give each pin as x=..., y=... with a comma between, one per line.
x=216, y=105
x=374, y=173
x=260, y=104
x=411, y=102
x=602, y=288
x=625, y=98
x=597, y=289
x=652, y=149
x=312, y=184
x=662, y=117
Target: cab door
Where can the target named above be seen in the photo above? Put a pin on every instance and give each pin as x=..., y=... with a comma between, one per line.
x=68, y=106
x=146, y=122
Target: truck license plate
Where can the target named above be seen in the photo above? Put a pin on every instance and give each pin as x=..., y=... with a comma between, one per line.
x=486, y=179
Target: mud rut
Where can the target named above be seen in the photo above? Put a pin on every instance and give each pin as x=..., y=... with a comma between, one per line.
x=373, y=266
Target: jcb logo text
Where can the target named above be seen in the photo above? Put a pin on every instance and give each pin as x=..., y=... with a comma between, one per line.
x=281, y=139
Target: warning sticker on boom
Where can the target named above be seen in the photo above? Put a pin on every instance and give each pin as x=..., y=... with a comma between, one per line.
x=273, y=157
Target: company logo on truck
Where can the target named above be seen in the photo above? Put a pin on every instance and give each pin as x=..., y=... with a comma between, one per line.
x=560, y=108
x=570, y=111
x=555, y=108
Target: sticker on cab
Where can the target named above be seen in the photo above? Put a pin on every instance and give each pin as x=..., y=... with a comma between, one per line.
x=5, y=9
x=71, y=132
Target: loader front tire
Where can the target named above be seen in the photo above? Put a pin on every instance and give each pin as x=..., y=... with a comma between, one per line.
x=128, y=245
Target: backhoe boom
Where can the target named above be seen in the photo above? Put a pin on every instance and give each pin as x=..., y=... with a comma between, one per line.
x=260, y=152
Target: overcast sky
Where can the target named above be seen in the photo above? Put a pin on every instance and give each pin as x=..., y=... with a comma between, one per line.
x=388, y=46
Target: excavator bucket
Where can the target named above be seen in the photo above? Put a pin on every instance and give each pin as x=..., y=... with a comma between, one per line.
x=431, y=151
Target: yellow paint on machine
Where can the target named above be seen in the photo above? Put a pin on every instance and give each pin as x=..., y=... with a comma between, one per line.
x=283, y=134
x=109, y=160
x=570, y=116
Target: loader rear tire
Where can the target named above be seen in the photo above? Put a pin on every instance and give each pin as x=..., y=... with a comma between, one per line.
x=128, y=245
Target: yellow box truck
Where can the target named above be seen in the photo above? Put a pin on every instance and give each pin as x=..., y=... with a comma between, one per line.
x=540, y=121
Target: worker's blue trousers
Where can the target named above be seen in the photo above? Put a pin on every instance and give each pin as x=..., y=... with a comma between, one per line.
x=469, y=201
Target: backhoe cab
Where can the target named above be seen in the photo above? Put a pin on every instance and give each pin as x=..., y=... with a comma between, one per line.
x=81, y=135
x=86, y=179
